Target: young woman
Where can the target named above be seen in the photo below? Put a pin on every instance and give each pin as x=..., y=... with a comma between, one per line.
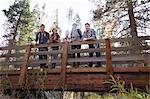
x=54, y=38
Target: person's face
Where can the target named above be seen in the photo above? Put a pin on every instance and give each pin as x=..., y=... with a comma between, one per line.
x=54, y=30
x=74, y=26
x=67, y=33
x=87, y=27
x=42, y=28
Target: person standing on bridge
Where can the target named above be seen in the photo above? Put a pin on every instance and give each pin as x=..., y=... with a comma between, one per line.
x=75, y=35
x=90, y=34
x=42, y=37
x=67, y=37
x=54, y=38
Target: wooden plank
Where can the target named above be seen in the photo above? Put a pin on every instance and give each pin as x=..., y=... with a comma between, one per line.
x=12, y=55
x=138, y=78
x=64, y=64
x=86, y=59
x=9, y=72
x=116, y=49
x=13, y=47
x=47, y=45
x=11, y=63
x=13, y=79
x=109, y=67
x=51, y=52
x=82, y=80
x=88, y=70
x=132, y=76
x=34, y=63
x=115, y=59
x=78, y=79
x=53, y=80
x=129, y=39
x=118, y=69
x=77, y=87
x=83, y=42
x=128, y=48
x=128, y=58
x=111, y=40
x=24, y=67
x=77, y=82
x=37, y=62
x=141, y=69
x=86, y=50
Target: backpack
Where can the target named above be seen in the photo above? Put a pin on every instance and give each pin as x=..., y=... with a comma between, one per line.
x=93, y=33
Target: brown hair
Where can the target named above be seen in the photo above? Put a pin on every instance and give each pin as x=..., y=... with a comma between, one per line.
x=54, y=29
x=42, y=25
x=87, y=24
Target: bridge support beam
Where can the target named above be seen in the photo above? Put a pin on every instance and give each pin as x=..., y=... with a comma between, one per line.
x=109, y=68
x=24, y=67
x=64, y=64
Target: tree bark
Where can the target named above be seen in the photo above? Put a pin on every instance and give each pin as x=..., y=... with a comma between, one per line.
x=134, y=44
x=132, y=19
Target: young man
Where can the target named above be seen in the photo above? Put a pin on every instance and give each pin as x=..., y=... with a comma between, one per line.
x=42, y=37
x=76, y=35
x=89, y=34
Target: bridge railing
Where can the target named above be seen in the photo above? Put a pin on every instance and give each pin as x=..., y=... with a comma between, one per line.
x=12, y=56
x=121, y=53
x=53, y=55
x=112, y=52
x=16, y=55
x=127, y=54
x=120, y=50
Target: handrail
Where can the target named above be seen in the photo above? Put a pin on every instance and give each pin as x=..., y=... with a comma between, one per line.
x=115, y=51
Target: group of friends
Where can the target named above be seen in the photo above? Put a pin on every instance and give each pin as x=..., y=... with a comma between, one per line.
x=43, y=37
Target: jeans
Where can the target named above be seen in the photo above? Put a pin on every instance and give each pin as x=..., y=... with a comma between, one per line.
x=78, y=54
x=55, y=56
x=91, y=55
x=42, y=57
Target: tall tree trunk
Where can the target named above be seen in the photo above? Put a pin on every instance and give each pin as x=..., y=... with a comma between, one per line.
x=11, y=42
x=133, y=27
x=132, y=19
x=135, y=42
x=16, y=29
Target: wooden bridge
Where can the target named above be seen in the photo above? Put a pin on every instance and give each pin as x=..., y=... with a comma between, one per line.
x=130, y=62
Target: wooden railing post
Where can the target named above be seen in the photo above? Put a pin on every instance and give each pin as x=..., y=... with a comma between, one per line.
x=24, y=67
x=109, y=67
x=64, y=64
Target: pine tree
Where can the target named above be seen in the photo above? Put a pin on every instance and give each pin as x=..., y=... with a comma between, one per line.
x=131, y=16
x=20, y=22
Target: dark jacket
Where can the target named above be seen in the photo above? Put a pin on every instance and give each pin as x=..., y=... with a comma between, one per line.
x=42, y=39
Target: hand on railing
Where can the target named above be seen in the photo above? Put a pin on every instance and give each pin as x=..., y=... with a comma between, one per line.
x=89, y=39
